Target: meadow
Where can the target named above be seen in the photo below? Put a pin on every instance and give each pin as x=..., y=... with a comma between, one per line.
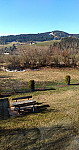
x=57, y=127
x=46, y=43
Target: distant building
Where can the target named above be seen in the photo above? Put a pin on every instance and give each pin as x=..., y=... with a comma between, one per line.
x=31, y=43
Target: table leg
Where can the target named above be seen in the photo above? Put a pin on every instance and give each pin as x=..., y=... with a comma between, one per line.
x=19, y=109
x=33, y=109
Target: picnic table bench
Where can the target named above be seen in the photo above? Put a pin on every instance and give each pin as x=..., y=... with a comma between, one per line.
x=24, y=104
x=27, y=105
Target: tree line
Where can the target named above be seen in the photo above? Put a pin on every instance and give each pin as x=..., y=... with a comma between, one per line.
x=61, y=54
x=47, y=36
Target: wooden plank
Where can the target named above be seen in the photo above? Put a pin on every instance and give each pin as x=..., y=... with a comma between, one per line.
x=26, y=97
x=21, y=103
x=21, y=108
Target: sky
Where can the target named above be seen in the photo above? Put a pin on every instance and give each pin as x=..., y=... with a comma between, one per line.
x=38, y=16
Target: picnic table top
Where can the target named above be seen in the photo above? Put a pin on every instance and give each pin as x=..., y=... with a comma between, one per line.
x=24, y=102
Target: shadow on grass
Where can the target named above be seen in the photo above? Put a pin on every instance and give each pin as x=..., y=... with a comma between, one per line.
x=19, y=86
x=64, y=85
x=44, y=109
x=4, y=95
x=44, y=89
x=36, y=89
x=75, y=84
x=26, y=91
x=38, y=109
x=5, y=76
x=53, y=138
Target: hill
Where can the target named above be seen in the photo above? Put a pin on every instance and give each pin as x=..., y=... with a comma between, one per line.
x=40, y=37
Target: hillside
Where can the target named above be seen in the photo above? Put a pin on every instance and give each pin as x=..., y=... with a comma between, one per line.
x=47, y=36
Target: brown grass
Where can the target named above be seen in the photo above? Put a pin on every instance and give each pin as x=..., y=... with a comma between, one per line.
x=54, y=128
x=43, y=74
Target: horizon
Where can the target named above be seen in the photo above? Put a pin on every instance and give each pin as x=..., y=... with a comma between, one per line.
x=35, y=33
x=33, y=17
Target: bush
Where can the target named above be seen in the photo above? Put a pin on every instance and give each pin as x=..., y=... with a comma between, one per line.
x=32, y=85
x=67, y=79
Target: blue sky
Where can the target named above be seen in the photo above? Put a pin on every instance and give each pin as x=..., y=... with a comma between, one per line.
x=36, y=16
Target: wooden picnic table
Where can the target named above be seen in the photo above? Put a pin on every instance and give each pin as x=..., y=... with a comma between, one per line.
x=27, y=105
x=24, y=104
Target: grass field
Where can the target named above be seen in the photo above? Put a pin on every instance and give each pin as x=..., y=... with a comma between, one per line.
x=56, y=128
x=47, y=43
x=9, y=44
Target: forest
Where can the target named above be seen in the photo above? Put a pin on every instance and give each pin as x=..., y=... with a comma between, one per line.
x=63, y=53
x=47, y=36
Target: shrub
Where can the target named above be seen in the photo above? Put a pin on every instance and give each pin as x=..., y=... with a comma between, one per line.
x=32, y=85
x=67, y=79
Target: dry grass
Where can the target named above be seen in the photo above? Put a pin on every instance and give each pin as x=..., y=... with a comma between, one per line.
x=43, y=74
x=55, y=128
x=44, y=77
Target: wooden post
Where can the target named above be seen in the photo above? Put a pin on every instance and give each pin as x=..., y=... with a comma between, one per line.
x=33, y=109
x=19, y=110
x=4, y=105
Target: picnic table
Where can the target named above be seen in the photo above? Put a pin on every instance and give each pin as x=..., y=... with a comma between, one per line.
x=24, y=104
x=28, y=105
